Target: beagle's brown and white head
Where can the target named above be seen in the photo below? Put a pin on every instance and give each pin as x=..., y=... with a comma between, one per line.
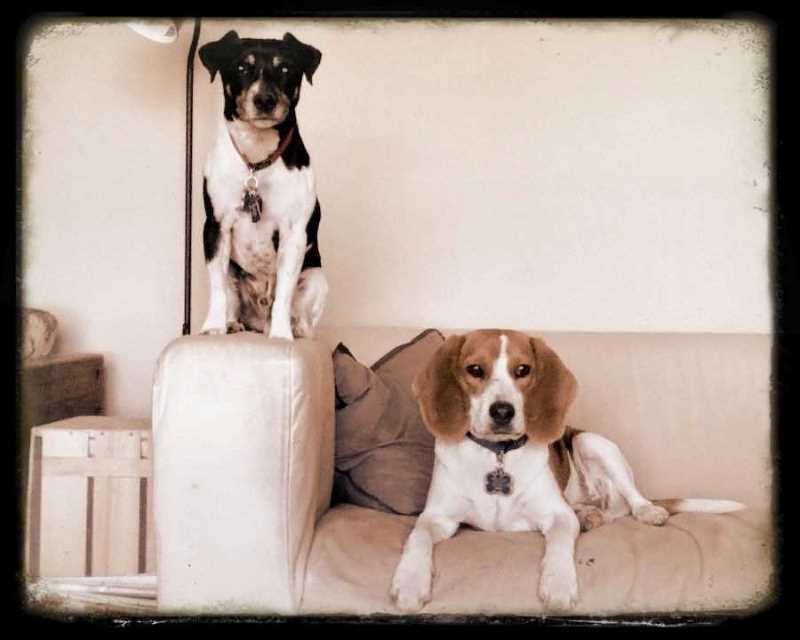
x=496, y=384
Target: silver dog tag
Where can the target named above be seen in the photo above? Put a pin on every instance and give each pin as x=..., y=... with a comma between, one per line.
x=498, y=481
x=251, y=201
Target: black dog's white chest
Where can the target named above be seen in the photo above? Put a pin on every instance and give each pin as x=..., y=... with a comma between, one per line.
x=254, y=245
x=288, y=198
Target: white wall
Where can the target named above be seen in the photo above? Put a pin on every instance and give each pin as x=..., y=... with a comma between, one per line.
x=563, y=175
x=102, y=220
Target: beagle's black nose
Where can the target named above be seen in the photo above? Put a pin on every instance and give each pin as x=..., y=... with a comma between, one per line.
x=501, y=412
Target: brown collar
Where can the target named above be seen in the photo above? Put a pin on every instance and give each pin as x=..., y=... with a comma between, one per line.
x=263, y=164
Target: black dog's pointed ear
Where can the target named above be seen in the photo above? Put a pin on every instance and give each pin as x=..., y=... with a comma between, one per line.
x=215, y=54
x=310, y=56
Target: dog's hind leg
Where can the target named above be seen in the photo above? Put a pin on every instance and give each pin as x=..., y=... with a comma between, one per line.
x=308, y=302
x=606, y=471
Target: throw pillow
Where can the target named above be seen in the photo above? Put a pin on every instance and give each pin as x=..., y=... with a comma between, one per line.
x=384, y=453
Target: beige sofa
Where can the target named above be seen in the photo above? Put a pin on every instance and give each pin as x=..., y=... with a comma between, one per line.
x=243, y=454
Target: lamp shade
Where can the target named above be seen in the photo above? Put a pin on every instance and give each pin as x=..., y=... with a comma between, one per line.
x=159, y=30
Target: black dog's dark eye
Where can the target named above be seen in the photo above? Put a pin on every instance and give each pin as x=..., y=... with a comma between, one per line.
x=474, y=370
x=522, y=370
x=284, y=69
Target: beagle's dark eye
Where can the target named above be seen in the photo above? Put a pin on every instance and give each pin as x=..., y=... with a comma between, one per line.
x=522, y=370
x=475, y=370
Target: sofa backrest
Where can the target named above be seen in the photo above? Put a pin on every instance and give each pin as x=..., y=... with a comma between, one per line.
x=691, y=412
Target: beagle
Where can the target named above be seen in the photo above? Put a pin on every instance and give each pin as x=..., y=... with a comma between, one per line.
x=496, y=403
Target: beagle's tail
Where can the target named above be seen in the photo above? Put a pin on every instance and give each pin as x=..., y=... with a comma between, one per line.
x=703, y=505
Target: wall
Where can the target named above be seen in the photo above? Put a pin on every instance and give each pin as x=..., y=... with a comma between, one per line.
x=564, y=175
x=102, y=218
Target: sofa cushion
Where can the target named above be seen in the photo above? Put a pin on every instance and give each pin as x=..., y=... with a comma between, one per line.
x=696, y=562
x=384, y=453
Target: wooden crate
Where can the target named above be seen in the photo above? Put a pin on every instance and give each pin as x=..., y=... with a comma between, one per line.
x=89, y=510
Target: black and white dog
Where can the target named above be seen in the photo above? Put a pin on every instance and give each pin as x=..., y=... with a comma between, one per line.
x=262, y=212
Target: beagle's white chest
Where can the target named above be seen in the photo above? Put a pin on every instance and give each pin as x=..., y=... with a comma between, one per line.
x=464, y=467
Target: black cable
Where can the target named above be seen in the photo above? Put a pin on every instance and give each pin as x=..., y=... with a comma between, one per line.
x=187, y=264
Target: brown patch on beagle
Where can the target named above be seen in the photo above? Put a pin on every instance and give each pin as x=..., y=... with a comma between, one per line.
x=442, y=401
x=559, y=463
x=560, y=451
x=548, y=395
x=481, y=349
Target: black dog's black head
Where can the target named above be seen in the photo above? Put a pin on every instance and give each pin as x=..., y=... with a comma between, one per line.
x=260, y=78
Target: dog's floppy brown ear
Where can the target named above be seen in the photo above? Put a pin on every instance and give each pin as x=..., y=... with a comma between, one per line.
x=442, y=402
x=215, y=54
x=547, y=400
x=310, y=56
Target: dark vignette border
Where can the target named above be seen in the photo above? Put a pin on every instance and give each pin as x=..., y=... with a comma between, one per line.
x=784, y=231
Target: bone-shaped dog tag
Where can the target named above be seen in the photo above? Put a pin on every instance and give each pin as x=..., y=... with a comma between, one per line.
x=498, y=481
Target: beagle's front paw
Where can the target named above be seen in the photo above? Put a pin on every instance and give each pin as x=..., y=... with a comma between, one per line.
x=558, y=587
x=411, y=588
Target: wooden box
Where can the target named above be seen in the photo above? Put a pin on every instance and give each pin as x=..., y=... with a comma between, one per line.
x=61, y=386
x=89, y=510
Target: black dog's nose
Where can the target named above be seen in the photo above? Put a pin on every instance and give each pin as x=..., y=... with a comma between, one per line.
x=265, y=103
x=501, y=412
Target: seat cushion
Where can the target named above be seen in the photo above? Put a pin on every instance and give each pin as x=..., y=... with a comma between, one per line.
x=695, y=562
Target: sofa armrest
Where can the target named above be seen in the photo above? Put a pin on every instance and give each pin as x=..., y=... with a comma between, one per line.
x=243, y=468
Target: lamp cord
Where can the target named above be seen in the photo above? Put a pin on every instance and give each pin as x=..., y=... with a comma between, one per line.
x=187, y=264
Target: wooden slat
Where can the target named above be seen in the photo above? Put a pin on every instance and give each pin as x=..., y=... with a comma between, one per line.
x=63, y=510
x=150, y=532
x=96, y=423
x=33, y=525
x=100, y=448
x=124, y=529
x=98, y=468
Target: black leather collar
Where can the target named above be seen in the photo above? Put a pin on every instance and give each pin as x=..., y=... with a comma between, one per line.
x=500, y=447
